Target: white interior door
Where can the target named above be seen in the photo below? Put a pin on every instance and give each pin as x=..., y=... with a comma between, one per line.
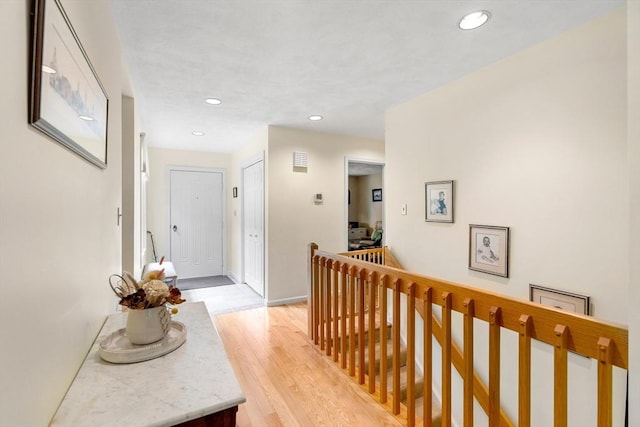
x=253, y=226
x=196, y=223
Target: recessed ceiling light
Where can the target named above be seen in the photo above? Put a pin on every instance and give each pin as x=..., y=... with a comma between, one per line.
x=315, y=118
x=474, y=20
x=86, y=118
x=197, y=133
x=48, y=70
x=213, y=101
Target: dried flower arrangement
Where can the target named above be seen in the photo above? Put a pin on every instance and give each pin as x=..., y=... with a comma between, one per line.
x=149, y=292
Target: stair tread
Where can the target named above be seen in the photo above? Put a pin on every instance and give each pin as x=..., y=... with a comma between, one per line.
x=436, y=410
x=419, y=379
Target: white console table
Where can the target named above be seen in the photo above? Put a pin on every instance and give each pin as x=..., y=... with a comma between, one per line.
x=195, y=384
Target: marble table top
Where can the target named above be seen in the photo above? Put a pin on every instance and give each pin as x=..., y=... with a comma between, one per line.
x=192, y=381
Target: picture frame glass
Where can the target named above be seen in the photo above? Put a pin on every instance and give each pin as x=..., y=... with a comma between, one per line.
x=439, y=201
x=489, y=249
x=562, y=300
x=68, y=101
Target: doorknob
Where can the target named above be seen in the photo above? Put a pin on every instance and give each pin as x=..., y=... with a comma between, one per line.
x=175, y=228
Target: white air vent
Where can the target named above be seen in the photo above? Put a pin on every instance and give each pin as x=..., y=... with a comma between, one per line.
x=300, y=160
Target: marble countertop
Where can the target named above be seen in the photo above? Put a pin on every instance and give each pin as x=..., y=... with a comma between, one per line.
x=192, y=381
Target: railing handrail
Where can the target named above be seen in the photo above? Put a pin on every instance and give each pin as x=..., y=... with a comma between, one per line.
x=544, y=319
x=480, y=389
x=336, y=279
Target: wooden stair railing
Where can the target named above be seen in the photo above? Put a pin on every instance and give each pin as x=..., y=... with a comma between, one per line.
x=478, y=389
x=345, y=290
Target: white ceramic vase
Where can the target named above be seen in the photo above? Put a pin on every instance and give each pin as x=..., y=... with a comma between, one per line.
x=148, y=325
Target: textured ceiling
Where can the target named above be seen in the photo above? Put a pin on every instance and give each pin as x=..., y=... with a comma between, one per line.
x=275, y=62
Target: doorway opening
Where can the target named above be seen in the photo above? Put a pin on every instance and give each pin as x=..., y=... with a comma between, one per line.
x=364, y=204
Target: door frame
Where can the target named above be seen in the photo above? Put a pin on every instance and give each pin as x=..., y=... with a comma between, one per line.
x=347, y=160
x=171, y=168
x=260, y=157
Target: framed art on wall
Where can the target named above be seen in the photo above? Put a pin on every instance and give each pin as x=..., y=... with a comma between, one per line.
x=562, y=300
x=438, y=200
x=489, y=249
x=376, y=194
x=67, y=100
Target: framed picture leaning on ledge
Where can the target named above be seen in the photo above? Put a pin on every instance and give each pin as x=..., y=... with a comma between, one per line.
x=562, y=300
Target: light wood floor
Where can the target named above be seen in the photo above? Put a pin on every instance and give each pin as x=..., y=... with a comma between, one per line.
x=286, y=380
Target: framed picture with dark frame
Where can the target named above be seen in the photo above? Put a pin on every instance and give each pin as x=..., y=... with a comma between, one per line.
x=489, y=249
x=562, y=300
x=438, y=201
x=376, y=194
x=67, y=101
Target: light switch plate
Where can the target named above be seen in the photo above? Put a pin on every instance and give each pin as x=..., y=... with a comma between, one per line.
x=403, y=209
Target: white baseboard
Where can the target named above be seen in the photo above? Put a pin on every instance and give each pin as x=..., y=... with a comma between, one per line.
x=286, y=301
x=233, y=276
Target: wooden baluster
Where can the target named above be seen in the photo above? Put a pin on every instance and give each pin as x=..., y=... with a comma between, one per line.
x=468, y=362
x=322, y=300
x=313, y=282
x=335, y=310
x=343, y=315
x=495, y=321
x=396, y=346
x=411, y=355
x=427, y=339
x=605, y=382
x=352, y=320
x=316, y=302
x=560, y=376
x=446, y=359
x=383, y=338
x=361, y=335
x=372, y=331
x=328, y=315
x=524, y=372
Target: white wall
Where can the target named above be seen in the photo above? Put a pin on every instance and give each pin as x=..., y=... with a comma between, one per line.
x=131, y=203
x=536, y=142
x=294, y=220
x=158, y=190
x=58, y=236
x=633, y=113
x=354, y=206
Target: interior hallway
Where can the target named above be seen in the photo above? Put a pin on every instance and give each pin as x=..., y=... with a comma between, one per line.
x=286, y=380
x=224, y=299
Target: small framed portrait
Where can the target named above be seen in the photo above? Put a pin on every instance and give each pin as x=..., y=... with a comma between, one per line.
x=376, y=194
x=489, y=249
x=438, y=198
x=562, y=300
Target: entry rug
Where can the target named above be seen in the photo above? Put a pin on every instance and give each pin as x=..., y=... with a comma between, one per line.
x=204, y=282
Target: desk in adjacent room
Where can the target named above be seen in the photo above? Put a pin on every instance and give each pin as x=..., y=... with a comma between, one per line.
x=195, y=384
